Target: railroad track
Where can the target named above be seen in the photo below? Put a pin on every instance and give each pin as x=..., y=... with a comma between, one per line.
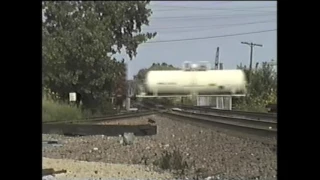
x=245, y=126
x=234, y=120
x=87, y=127
x=242, y=122
x=232, y=113
x=103, y=118
x=251, y=125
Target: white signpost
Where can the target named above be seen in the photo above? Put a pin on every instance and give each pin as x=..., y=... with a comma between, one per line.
x=72, y=97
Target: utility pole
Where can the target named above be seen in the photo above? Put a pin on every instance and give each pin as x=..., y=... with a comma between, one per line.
x=217, y=66
x=251, y=51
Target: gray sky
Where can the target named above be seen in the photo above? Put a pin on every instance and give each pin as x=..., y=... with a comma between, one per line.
x=208, y=19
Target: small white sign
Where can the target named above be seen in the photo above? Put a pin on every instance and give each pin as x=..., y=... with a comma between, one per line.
x=72, y=96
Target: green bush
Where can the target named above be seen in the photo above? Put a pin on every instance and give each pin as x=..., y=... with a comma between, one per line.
x=262, y=89
x=57, y=111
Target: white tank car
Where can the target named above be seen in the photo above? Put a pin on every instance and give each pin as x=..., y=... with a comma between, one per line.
x=208, y=82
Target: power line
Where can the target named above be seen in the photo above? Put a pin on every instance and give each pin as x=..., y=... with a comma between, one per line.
x=198, y=10
x=212, y=37
x=213, y=16
x=197, y=19
x=199, y=29
x=215, y=25
x=217, y=9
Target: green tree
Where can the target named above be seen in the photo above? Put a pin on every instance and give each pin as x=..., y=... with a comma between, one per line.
x=262, y=88
x=80, y=39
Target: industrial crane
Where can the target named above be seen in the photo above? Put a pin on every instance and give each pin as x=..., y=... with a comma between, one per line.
x=217, y=65
x=216, y=62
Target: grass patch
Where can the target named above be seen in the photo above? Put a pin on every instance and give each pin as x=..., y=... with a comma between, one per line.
x=251, y=108
x=172, y=161
x=56, y=111
x=177, y=164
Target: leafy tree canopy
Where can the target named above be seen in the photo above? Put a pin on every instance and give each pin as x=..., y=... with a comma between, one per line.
x=80, y=39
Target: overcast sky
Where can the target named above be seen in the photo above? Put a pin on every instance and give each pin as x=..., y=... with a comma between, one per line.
x=202, y=22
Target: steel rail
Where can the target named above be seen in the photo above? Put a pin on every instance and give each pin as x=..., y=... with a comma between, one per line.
x=255, y=130
x=245, y=114
x=234, y=120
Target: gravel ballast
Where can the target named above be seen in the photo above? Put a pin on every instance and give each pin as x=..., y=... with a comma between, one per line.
x=205, y=150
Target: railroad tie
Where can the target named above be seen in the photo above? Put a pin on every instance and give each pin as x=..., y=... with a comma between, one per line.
x=51, y=171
